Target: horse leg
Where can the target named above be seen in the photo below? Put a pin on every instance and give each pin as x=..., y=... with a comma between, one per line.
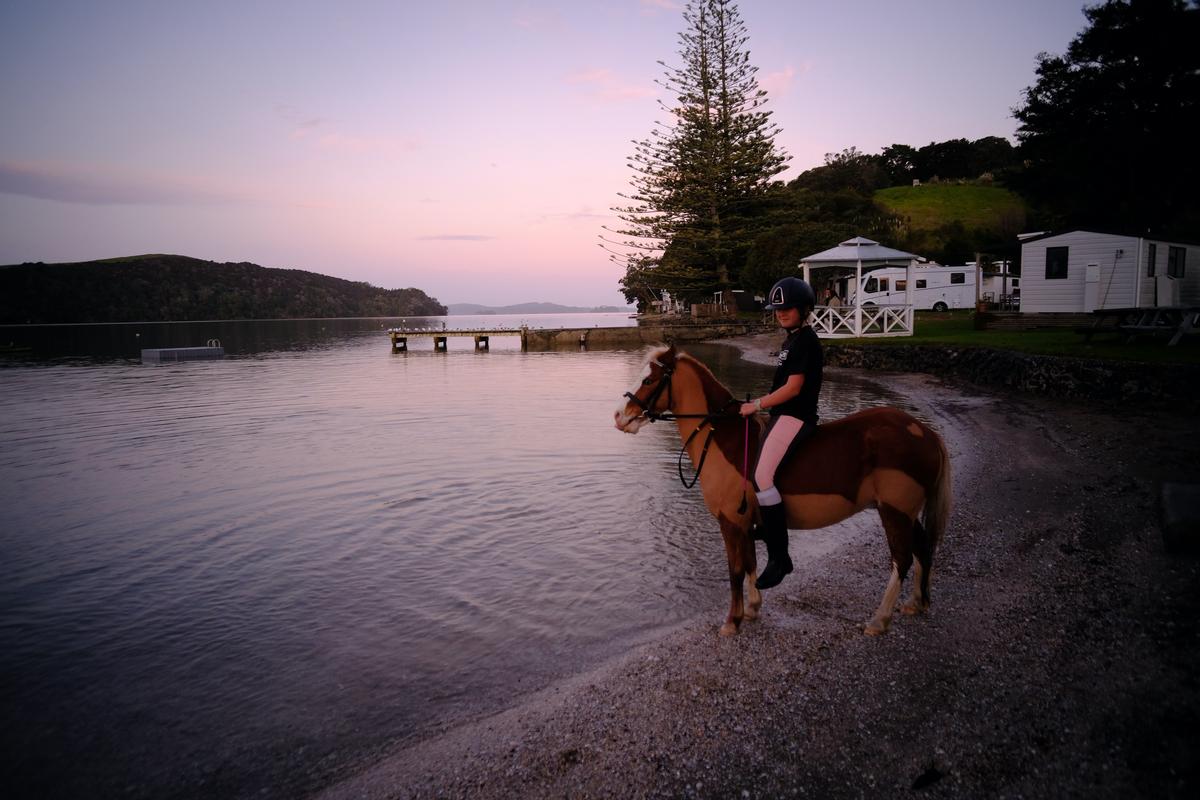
x=899, y=529
x=750, y=562
x=922, y=570
x=737, y=544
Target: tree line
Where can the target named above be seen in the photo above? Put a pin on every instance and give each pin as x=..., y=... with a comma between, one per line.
x=164, y=288
x=1105, y=141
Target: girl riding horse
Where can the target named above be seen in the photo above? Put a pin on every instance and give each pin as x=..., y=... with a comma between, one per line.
x=792, y=404
x=881, y=458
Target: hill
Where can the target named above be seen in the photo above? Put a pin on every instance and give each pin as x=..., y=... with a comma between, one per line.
x=160, y=288
x=931, y=206
x=529, y=308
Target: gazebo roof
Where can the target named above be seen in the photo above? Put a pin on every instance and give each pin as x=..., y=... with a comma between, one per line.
x=859, y=249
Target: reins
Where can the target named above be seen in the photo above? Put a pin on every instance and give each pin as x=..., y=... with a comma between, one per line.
x=707, y=420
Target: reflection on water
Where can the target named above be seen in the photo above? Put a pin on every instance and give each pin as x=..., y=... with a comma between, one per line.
x=228, y=578
x=246, y=337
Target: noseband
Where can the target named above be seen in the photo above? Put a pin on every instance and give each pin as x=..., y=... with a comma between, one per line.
x=647, y=406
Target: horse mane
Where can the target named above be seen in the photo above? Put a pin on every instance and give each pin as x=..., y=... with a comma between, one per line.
x=715, y=394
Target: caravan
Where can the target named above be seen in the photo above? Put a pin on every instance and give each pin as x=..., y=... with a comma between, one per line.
x=936, y=288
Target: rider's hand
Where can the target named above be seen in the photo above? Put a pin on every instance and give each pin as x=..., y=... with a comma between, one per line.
x=748, y=409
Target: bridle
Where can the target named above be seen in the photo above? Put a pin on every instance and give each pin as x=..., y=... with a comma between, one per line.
x=664, y=384
x=647, y=406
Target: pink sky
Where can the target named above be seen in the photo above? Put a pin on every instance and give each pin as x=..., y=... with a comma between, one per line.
x=470, y=149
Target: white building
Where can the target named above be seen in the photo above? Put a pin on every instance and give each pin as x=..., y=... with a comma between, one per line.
x=841, y=269
x=1081, y=271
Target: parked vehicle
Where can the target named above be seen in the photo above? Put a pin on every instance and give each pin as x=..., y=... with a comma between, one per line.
x=936, y=288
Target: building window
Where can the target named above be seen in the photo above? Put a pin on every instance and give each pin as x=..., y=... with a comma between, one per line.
x=1056, y=263
x=1150, y=260
x=1176, y=256
x=920, y=283
x=958, y=277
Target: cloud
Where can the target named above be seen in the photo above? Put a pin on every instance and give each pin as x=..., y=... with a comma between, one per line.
x=456, y=237
x=779, y=83
x=102, y=185
x=296, y=118
x=655, y=6
x=602, y=84
x=316, y=130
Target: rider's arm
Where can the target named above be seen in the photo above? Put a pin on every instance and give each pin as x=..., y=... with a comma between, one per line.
x=781, y=395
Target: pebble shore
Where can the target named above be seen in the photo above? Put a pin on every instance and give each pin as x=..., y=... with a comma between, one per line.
x=1059, y=658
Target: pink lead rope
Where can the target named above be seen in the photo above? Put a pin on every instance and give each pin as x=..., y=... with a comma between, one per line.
x=745, y=461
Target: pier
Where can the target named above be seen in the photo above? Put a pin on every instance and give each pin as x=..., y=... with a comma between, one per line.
x=577, y=338
x=400, y=337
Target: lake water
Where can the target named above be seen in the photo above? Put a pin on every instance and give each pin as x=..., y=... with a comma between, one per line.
x=233, y=578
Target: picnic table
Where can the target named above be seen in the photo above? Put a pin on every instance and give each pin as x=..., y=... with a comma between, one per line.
x=1129, y=323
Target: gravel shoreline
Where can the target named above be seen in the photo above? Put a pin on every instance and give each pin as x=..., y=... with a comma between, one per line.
x=1058, y=659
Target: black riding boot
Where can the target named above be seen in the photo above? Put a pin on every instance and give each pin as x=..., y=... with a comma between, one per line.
x=775, y=534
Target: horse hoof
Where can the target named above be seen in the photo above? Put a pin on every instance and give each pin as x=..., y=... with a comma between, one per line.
x=728, y=629
x=874, y=628
x=912, y=609
x=751, y=614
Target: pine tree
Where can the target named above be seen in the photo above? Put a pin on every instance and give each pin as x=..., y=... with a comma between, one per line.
x=700, y=181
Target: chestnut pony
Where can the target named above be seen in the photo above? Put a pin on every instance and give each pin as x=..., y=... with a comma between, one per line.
x=881, y=458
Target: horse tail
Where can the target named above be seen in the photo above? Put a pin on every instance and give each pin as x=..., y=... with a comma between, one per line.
x=936, y=513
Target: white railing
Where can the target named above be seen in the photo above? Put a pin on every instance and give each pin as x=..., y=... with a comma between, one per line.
x=846, y=322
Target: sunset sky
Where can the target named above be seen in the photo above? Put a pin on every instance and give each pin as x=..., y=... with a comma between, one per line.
x=469, y=149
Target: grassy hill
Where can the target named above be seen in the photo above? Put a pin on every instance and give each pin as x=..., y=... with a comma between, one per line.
x=932, y=206
x=159, y=288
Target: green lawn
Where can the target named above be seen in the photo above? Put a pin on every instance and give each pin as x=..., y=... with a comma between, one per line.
x=929, y=206
x=957, y=328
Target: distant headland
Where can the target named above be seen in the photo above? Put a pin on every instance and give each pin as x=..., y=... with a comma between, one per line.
x=530, y=308
x=171, y=288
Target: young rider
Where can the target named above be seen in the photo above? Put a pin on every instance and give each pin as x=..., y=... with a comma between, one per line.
x=792, y=404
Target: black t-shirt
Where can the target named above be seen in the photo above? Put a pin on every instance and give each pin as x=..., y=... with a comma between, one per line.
x=800, y=354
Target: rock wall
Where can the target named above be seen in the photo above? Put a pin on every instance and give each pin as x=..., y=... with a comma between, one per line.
x=1053, y=376
x=639, y=336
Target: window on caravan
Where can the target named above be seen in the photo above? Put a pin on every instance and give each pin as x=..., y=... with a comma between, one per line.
x=1150, y=259
x=920, y=283
x=901, y=285
x=958, y=277
x=872, y=286
x=1056, y=263
x=883, y=284
x=1175, y=261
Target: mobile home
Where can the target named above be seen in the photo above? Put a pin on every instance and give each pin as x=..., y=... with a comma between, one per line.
x=1081, y=271
x=935, y=288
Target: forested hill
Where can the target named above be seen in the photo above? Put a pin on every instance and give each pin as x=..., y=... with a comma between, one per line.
x=157, y=288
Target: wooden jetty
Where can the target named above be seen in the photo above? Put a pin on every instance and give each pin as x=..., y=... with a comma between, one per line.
x=400, y=336
x=576, y=338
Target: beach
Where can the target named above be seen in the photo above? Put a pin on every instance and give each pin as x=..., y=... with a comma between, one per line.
x=1058, y=658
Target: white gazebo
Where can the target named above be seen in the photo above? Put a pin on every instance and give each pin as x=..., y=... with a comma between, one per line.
x=855, y=320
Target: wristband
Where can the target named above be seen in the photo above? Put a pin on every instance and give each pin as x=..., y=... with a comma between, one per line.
x=758, y=404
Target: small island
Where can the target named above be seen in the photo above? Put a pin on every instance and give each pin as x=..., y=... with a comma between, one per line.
x=173, y=288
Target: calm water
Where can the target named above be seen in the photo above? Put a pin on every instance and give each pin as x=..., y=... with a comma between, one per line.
x=40, y=342
x=232, y=578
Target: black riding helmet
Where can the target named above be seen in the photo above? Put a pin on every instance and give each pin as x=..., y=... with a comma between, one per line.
x=791, y=293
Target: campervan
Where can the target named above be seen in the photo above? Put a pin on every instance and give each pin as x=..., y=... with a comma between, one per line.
x=936, y=288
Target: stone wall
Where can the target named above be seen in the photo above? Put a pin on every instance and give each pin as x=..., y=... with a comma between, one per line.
x=1053, y=376
x=642, y=335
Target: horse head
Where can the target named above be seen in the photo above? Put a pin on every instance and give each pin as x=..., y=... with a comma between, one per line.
x=651, y=395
